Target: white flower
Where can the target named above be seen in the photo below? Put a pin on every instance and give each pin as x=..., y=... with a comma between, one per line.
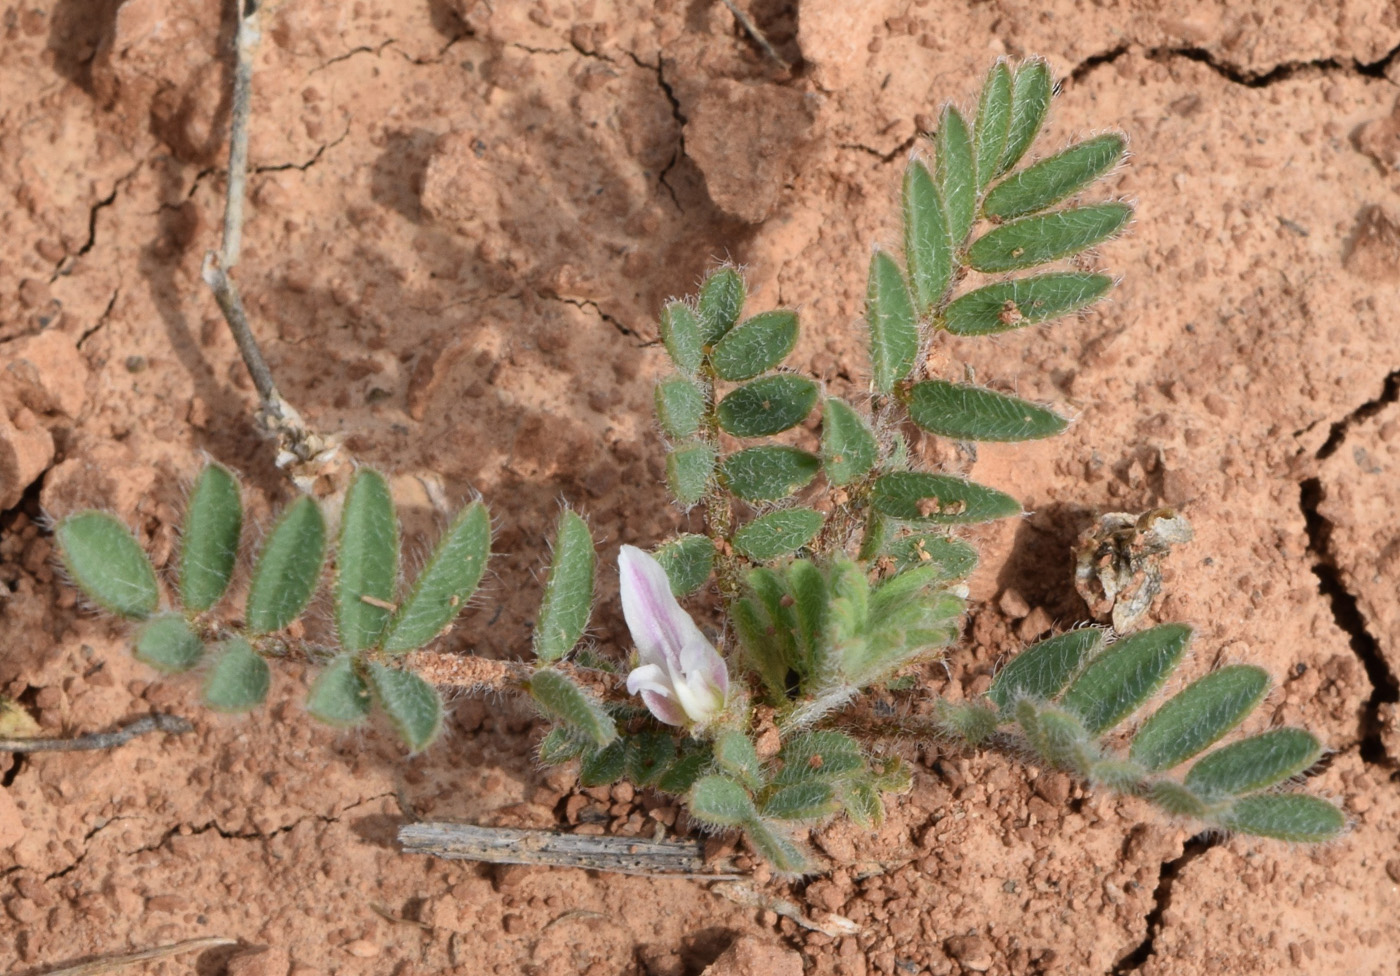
x=680, y=675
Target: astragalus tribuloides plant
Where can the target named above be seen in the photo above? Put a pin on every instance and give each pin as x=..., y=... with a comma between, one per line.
x=834, y=554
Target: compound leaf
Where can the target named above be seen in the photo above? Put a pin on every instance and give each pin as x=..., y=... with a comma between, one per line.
x=1052, y=180
x=762, y=474
x=413, y=706
x=1197, y=717
x=339, y=695
x=1010, y=305
x=239, y=678
x=288, y=569
x=928, y=248
x=941, y=498
x=167, y=643
x=755, y=345
x=568, y=594
x=1035, y=240
x=778, y=533
x=768, y=405
x=446, y=583
x=1122, y=678
x=894, y=330
x=107, y=564
x=367, y=561
x=974, y=413
x=209, y=542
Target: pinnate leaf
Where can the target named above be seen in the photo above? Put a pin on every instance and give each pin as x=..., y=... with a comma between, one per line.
x=288, y=569
x=1121, y=679
x=1293, y=817
x=721, y=301
x=1010, y=305
x=974, y=413
x=768, y=405
x=339, y=695
x=239, y=678
x=687, y=560
x=1052, y=180
x=1030, y=241
x=107, y=564
x=561, y=699
x=568, y=595
x=894, y=331
x=1255, y=763
x=756, y=345
x=941, y=498
x=928, y=246
x=849, y=449
x=367, y=561
x=209, y=542
x=778, y=533
x=762, y=474
x=413, y=706
x=167, y=643
x=1041, y=671
x=1197, y=717
x=446, y=583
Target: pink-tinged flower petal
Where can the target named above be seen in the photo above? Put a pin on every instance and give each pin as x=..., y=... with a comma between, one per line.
x=681, y=677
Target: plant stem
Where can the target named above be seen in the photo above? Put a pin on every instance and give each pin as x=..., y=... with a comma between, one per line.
x=101, y=740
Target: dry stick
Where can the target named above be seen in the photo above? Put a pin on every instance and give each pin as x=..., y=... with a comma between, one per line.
x=105, y=964
x=101, y=740
x=746, y=22
x=296, y=441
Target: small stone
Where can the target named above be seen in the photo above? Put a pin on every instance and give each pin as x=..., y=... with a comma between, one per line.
x=1037, y=622
x=362, y=949
x=751, y=956
x=1013, y=604
x=259, y=961
x=971, y=952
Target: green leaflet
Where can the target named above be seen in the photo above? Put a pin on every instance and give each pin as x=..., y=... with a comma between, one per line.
x=1255, y=763
x=568, y=594
x=1041, y=671
x=735, y=756
x=1291, y=817
x=811, y=800
x=1030, y=241
x=778, y=533
x=1010, y=305
x=768, y=405
x=993, y=122
x=1058, y=736
x=1121, y=679
x=974, y=413
x=928, y=247
x=561, y=699
x=849, y=449
x=941, y=498
x=1031, y=91
x=239, y=679
x=600, y=767
x=681, y=333
x=1198, y=716
x=680, y=406
x=955, y=558
x=446, y=583
x=209, y=542
x=688, y=471
x=339, y=695
x=822, y=755
x=688, y=560
x=763, y=474
x=721, y=802
x=1176, y=799
x=650, y=755
x=721, y=301
x=288, y=569
x=957, y=173
x=107, y=564
x=684, y=773
x=894, y=331
x=412, y=705
x=166, y=643
x=367, y=561
x=560, y=745
x=1052, y=180
x=778, y=848
x=756, y=345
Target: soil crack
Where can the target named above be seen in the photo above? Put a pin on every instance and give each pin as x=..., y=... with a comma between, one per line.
x=588, y=303
x=303, y=167
x=353, y=52
x=101, y=319
x=1241, y=76
x=1162, y=900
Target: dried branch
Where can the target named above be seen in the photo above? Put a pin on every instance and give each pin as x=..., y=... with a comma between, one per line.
x=102, y=740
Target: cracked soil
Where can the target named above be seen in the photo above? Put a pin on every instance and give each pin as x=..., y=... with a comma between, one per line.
x=463, y=219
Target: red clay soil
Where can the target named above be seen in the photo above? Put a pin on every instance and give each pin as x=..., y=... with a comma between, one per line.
x=463, y=219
